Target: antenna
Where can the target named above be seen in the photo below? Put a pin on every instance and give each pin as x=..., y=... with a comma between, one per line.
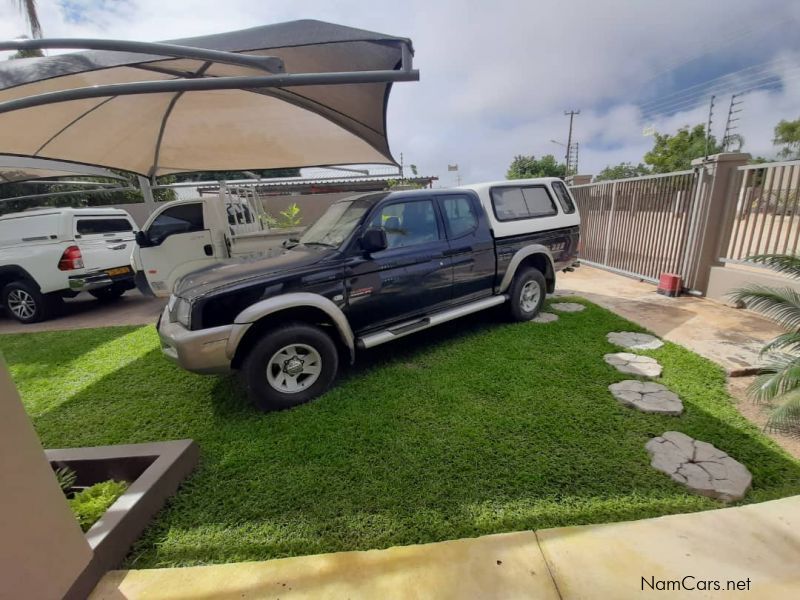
x=731, y=137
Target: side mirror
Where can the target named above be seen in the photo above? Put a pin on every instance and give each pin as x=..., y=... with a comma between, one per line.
x=142, y=239
x=374, y=240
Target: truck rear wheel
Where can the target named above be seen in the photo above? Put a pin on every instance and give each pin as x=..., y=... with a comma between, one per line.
x=25, y=303
x=289, y=366
x=527, y=294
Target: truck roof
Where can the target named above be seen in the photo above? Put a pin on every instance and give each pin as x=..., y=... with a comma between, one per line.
x=99, y=211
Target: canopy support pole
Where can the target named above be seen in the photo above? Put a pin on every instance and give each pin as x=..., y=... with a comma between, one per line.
x=147, y=194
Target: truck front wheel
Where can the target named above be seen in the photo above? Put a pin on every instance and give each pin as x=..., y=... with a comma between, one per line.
x=527, y=294
x=289, y=366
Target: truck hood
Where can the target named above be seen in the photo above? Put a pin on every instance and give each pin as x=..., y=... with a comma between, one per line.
x=236, y=272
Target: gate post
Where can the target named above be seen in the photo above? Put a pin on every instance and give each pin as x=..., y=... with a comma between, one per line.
x=712, y=210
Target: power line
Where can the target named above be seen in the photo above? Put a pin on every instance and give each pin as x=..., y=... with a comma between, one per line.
x=732, y=37
x=722, y=84
x=697, y=99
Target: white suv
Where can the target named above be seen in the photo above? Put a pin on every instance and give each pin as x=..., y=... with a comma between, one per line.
x=53, y=253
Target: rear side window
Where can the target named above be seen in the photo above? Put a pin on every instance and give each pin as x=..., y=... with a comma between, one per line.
x=517, y=202
x=563, y=197
x=100, y=226
x=183, y=218
x=459, y=212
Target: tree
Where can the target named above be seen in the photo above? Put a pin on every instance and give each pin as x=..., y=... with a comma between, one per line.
x=524, y=167
x=623, y=170
x=787, y=134
x=31, y=14
x=779, y=382
x=676, y=152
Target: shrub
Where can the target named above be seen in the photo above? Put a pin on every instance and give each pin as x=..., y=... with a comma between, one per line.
x=779, y=382
x=66, y=478
x=90, y=504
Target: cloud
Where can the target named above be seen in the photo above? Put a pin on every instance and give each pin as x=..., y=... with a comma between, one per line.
x=497, y=75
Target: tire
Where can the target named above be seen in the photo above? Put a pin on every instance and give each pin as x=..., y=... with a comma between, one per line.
x=525, y=299
x=108, y=294
x=23, y=302
x=269, y=386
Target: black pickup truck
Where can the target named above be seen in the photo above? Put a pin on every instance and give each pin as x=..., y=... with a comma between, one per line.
x=372, y=269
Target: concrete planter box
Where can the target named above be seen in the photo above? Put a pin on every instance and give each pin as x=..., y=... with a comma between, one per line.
x=153, y=471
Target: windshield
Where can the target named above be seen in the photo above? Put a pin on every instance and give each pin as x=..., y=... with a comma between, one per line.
x=338, y=222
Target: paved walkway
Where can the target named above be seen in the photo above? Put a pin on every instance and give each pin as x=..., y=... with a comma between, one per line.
x=729, y=337
x=756, y=548
x=85, y=312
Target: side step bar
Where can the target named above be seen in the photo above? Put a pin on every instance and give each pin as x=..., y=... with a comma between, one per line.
x=381, y=337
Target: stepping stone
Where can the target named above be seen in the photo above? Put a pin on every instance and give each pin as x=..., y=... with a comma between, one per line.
x=647, y=397
x=544, y=317
x=634, y=364
x=563, y=294
x=701, y=467
x=634, y=341
x=571, y=307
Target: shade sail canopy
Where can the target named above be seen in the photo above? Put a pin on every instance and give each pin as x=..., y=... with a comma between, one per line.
x=301, y=107
x=19, y=168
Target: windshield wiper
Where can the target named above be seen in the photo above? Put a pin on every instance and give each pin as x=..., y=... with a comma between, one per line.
x=319, y=244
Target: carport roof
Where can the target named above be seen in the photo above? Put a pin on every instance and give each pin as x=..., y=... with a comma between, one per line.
x=302, y=93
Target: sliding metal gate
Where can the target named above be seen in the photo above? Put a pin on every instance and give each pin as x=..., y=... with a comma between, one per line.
x=642, y=226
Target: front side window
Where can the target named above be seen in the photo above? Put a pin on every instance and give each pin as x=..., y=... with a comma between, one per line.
x=517, y=202
x=563, y=197
x=184, y=218
x=102, y=226
x=408, y=223
x=459, y=213
x=336, y=224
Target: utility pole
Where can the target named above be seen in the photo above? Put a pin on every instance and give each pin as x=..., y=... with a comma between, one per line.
x=571, y=114
x=710, y=120
x=729, y=136
x=573, y=159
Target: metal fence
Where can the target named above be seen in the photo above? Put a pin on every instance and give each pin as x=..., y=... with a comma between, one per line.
x=642, y=226
x=767, y=211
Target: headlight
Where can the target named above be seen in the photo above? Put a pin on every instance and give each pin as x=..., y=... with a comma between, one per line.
x=180, y=310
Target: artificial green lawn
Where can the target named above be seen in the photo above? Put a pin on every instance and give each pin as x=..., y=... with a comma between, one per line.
x=475, y=427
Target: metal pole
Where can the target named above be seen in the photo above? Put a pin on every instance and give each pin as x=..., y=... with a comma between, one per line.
x=212, y=83
x=571, y=114
x=147, y=194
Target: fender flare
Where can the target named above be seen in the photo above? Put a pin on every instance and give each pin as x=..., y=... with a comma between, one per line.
x=245, y=319
x=19, y=274
x=517, y=259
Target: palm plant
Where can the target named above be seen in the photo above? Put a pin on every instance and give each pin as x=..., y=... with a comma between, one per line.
x=779, y=382
x=29, y=10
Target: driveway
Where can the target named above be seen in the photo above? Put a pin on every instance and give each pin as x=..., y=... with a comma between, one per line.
x=86, y=312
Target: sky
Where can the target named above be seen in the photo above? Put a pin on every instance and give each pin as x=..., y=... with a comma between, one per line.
x=497, y=76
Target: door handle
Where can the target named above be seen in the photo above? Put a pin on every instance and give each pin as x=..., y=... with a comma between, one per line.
x=208, y=249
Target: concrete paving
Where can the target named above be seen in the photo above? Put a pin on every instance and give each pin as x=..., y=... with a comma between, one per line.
x=85, y=312
x=756, y=547
x=730, y=337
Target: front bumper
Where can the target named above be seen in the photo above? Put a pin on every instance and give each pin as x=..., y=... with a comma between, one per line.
x=203, y=351
x=99, y=279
